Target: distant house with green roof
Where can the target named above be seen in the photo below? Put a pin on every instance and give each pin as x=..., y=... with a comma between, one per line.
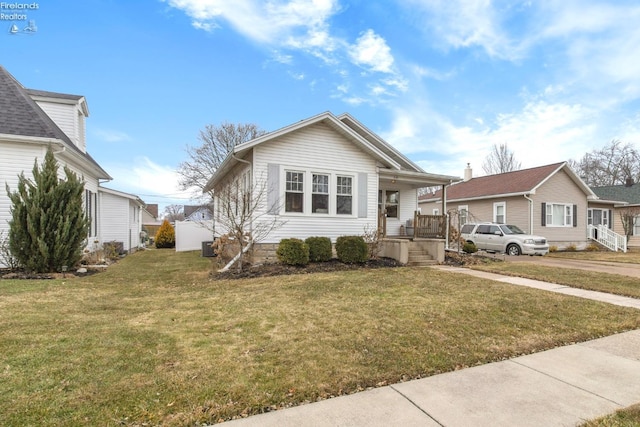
x=614, y=202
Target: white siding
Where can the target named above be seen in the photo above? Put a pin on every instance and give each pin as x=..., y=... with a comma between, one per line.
x=15, y=159
x=318, y=148
x=69, y=119
x=119, y=220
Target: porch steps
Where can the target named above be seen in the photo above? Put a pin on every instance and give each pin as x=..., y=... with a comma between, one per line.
x=418, y=258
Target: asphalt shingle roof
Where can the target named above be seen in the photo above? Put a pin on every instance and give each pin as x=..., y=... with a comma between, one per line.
x=516, y=182
x=619, y=193
x=20, y=115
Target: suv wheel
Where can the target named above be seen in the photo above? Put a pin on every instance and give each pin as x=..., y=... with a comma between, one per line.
x=513, y=250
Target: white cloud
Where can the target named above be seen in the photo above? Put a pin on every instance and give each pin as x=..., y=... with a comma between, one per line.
x=298, y=24
x=541, y=133
x=110, y=135
x=152, y=182
x=467, y=23
x=372, y=52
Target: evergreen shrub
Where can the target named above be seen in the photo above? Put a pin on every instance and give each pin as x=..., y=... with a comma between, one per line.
x=293, y=252
x=352, y=249
x=319, y=249
x=166, y=236
x=469, y=248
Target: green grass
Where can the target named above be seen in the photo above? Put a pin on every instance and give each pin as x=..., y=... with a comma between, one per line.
x=153, y=340
x=628, y=417
x=630, y=257
x=594, y=281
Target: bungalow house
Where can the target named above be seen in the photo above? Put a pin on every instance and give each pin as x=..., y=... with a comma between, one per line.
x=549, y=200
x=615, y=203
x=326, y=176
x=31, y=121
x=121, y=219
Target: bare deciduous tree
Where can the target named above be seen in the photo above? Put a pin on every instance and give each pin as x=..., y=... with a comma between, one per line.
x=613, y=164
x=173, y=213
x=628, y=217
x=500, y=160
x=241, y=213
x=217, y=141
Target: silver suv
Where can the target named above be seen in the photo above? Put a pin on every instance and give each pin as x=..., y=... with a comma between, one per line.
x=506, y=238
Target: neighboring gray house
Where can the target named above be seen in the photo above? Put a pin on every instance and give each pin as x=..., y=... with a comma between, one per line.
x=549, y=201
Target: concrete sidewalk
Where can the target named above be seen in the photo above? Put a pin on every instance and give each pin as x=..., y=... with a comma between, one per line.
x=559, y=387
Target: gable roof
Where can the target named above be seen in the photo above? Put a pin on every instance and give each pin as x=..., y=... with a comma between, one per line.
x=350, y=129
x=191, y=209
x=22, y=117
x=520, y=182
x=619, y=193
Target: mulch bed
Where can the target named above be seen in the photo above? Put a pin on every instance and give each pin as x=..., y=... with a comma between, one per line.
x=268, y=270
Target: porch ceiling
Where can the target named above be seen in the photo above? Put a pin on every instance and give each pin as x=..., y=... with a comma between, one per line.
x=415, y=179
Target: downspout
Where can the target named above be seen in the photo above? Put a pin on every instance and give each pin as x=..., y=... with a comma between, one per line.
x=530, y=213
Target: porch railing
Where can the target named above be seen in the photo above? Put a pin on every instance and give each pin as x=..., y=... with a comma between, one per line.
x=429, y=226
x=603, y=235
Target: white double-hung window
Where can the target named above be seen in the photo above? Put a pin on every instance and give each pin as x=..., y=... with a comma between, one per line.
x=500, y=212
x=294, y=192
x=344, y=195
x=320, y=193
x=559, y=215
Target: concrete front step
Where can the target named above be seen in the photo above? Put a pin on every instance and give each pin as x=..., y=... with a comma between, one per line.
x=421, y=263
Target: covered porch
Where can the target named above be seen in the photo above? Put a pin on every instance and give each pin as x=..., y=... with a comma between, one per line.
x=409, y=235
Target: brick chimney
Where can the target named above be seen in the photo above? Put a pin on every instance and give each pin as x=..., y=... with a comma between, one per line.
x=629, y=182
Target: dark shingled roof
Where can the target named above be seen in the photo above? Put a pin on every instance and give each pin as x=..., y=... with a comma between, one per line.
x=20, y=115
x=516, y=182
x=619, y=193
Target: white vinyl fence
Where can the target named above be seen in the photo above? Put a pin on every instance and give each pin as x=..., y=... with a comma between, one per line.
x=191, y=234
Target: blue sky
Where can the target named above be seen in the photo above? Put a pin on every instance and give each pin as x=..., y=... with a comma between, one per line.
x=441, y=80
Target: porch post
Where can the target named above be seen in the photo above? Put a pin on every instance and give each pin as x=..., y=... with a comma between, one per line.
x=446, y=216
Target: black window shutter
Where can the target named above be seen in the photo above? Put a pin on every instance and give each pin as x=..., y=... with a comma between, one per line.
x=610, y=219
x=544, y=215
x=575, y=215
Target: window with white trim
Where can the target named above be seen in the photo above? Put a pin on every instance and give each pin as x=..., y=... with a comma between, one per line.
x=294, y=192
x=463, y=214
x=500, y=212
x=436, y=211
x=636, y=226
x=344, y=195
x=320, y=193
x=559, y=215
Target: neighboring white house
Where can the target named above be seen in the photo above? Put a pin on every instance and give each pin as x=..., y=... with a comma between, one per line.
x=30, y=122
x=120, y=218
x=324, y=176
x=198, y=212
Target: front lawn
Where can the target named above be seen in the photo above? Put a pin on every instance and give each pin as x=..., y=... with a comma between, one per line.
x=632, y=256
x=154, y=340
x=590, y=280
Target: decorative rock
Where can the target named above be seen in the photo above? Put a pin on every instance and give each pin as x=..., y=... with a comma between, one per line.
x=81, y=270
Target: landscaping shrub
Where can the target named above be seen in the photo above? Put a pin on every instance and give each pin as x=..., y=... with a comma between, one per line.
x=553, y=248
x=469, y=248
x=293, y=252
x=166, y=236
x=352, y=249
x=592, y=248
x=571, y=248
x=319, y=249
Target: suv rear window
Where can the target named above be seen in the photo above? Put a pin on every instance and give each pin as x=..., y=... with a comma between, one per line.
x=467, y=228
